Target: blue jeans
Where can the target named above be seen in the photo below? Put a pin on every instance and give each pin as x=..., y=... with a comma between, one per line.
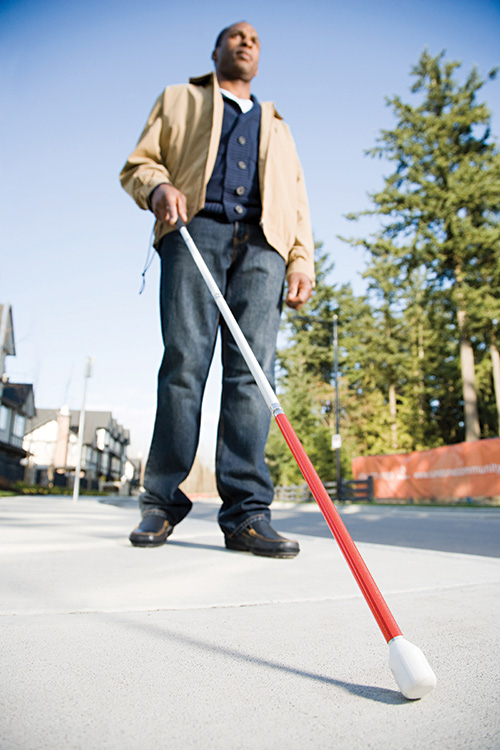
x=250, y=274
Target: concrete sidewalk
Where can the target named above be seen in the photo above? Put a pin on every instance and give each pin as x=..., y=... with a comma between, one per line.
x=191, y=646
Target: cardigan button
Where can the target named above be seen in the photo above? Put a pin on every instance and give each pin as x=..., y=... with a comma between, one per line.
x=239, y=209
x=242, y=165
x=242, y=140
x=240, y=190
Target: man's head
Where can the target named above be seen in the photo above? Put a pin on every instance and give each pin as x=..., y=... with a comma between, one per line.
x=236, y=53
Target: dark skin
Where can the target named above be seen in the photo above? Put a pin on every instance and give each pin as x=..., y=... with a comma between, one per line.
x=236, y=64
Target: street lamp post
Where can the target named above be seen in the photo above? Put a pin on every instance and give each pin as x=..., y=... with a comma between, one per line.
x=86, y=375
x=337, y=440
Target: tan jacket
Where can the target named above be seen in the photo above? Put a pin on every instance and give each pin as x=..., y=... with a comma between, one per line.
x=179, y=145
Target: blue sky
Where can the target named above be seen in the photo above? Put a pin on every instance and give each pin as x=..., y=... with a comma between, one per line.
x=77, y=81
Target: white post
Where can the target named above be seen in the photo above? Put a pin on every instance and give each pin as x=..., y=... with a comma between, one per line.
x=86, y=375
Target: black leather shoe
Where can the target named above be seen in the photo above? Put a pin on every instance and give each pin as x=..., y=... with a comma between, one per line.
x=152, y=531
x=261, y=539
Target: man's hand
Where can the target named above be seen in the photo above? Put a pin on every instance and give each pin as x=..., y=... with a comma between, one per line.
x=299, y=290
x=168, y=203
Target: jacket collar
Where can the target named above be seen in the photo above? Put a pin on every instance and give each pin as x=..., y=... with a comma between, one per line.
x=206, y=80
x=210, y=79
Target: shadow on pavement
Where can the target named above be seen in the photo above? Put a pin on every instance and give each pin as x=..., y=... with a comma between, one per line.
x=197, y=545
x=379, y=695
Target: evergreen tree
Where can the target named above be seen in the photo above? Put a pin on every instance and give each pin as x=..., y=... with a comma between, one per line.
x=419, y=348
x=440, y=208
x=365, y=420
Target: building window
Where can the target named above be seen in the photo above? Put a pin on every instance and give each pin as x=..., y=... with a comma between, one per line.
x=4, y=418
x=19, y=426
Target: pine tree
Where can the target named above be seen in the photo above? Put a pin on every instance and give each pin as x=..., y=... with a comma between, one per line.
x=365, y=419
x=440, y=207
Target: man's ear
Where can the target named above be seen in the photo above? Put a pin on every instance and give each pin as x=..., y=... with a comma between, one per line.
x=214, y=55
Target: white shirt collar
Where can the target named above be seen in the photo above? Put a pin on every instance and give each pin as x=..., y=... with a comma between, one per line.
x=244, y=104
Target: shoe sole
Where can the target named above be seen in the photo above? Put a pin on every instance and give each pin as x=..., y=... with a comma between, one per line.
x=148, y=543
x=284, y=555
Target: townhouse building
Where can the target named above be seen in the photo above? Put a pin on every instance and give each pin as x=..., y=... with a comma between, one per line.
x=17, y=405
x=52, y=442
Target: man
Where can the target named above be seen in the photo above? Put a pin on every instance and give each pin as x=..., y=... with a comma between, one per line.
x=213, y=155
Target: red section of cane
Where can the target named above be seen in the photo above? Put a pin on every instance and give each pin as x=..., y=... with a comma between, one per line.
x=369, y=588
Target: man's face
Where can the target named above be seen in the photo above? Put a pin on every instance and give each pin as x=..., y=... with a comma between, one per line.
x=237, y=56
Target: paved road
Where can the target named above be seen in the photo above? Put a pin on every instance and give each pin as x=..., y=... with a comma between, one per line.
x=472, y=531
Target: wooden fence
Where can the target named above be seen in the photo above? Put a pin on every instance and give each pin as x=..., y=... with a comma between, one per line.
x=352, y=490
